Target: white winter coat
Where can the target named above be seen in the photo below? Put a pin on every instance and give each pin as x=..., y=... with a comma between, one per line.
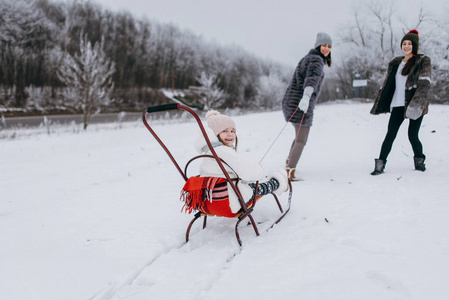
x=247, y=169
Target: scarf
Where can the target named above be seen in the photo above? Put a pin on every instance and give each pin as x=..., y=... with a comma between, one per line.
x=198, y=190
x=206, y=149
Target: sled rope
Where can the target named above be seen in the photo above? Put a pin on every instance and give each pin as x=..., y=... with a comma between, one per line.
x=297, y=134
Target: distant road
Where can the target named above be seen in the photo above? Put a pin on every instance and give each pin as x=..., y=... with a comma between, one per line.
x=35, y=121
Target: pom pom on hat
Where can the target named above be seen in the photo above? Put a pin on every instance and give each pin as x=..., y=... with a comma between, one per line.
x=412, y=35
x=218, y=122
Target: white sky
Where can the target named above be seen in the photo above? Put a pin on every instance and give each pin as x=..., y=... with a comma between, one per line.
x=282, y=30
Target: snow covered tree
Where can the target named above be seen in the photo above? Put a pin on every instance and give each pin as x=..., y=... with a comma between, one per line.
x=212, y=95
x=25, y=36
x=147, y=56
x=270, y=90
x=437, y=47
x=88, y=77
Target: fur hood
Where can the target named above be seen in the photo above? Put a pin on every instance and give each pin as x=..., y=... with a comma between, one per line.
x=200, y=142
x=417, y=87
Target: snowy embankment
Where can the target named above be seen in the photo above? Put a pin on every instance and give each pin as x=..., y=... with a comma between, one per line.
x=96, y=215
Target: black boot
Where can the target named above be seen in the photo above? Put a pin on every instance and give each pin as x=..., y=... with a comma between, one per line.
x=379, y=166
x=419, y=163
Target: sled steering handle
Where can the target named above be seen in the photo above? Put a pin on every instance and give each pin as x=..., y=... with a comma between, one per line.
x=162, y=107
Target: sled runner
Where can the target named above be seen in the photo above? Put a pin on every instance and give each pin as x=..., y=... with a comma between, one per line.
x=208, y=196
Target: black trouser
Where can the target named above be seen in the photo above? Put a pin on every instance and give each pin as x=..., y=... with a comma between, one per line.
x=396, y=119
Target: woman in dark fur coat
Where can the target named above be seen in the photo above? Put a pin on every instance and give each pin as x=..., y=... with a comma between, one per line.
x=301, y=96
x=404, y=95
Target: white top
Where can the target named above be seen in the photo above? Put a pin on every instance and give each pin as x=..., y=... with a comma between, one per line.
x=399, y=93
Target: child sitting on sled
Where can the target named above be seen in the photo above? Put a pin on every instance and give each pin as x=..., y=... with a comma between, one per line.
x=221, y=131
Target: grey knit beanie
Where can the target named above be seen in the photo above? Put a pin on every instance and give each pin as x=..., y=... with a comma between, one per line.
x=413, y=36
x=323, y=38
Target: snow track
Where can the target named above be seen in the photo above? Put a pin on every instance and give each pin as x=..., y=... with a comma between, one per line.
x=186, y=270
x=115, y=287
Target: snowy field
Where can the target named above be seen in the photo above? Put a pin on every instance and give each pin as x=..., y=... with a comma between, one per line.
x=96, y=215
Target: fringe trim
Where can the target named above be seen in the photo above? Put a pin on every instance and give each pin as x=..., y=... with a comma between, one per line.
x=194, y=198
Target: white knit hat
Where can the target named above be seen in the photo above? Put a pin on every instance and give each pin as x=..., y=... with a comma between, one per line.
x=218, y=122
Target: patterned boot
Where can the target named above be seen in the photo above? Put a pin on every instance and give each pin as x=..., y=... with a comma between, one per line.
x=265, y=188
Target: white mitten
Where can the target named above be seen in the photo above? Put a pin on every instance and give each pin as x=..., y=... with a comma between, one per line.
x=304, y=103
x=281, y=177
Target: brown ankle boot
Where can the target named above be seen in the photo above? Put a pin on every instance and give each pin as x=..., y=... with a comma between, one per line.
x=291, y=174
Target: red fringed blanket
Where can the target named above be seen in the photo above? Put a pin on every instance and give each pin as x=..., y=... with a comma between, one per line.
x=198, y=190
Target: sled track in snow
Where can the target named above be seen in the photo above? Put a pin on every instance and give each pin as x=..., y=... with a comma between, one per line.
x=110, y=291
x=143, y=281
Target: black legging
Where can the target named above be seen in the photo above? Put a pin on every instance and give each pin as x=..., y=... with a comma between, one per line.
x=396, y=119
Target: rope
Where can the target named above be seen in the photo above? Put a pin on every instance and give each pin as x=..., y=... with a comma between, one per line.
x=281, y=133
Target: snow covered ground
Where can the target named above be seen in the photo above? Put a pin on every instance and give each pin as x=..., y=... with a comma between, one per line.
x=96, y=215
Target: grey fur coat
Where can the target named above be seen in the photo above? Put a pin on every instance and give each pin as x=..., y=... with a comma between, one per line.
x=309, y=72
x=416, y=88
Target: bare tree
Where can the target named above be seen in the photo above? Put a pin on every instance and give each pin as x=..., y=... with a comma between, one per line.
x=359, y=30
x=370, y=40
x=416, y=22
x=383, y=15
x=88, y=76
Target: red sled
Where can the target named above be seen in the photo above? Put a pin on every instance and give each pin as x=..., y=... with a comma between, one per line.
x=208, y=196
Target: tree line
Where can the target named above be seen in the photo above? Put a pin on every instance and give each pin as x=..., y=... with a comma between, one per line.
x=36, y=36
x=42, y=44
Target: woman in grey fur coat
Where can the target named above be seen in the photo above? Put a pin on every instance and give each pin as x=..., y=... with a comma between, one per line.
x=404, y=95
x=302, y=94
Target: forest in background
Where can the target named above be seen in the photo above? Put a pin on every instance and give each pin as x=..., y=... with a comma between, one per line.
x=148, y=56
x=145, y=57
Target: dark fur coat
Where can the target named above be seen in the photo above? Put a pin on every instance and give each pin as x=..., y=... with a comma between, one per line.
x=309, y=72
x=416, y=88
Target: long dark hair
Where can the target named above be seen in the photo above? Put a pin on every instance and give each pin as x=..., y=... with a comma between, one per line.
x=327, y=59
x=411, y=62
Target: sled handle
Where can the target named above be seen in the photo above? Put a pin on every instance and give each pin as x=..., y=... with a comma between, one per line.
x=162, y=107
